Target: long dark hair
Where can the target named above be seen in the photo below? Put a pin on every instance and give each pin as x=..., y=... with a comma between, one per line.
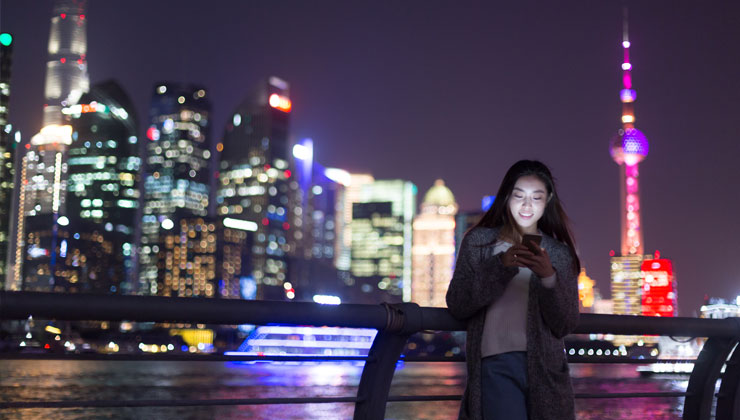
x=554, y=221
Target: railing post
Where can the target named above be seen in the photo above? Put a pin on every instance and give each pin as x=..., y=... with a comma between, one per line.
x=728, y=399
x=703, y=380
x=403, y=320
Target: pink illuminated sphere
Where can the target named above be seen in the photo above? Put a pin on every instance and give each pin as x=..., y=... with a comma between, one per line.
x=630, y=146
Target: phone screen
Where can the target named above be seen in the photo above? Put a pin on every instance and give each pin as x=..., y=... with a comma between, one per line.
x=532, y=242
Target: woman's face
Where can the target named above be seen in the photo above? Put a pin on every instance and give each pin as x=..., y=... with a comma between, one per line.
x=527, y=203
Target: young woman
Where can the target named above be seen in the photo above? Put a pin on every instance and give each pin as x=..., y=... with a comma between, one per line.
x=519, y=302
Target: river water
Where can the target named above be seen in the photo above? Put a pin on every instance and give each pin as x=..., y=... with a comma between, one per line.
x=94, y=380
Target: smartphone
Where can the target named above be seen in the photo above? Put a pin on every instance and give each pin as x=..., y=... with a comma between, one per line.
x=533, y=243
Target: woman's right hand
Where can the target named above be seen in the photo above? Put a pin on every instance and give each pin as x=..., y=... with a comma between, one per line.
x=509, y=258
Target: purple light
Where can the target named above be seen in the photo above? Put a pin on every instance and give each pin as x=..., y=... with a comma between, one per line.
x=630, y=146
x=627, y=95
x=626, y=44
x=626, y=66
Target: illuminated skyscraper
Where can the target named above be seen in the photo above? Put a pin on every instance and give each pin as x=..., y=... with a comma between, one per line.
x=7, y=157
x=44, y=173
x=658, y=287
x=103, y=189
x=313, y=269
x=381, y=241
x=433, y=251
x=257, y=184
x=628, y=149
x=176, y=178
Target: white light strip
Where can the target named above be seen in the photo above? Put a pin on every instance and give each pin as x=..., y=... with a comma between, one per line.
x=240, y=224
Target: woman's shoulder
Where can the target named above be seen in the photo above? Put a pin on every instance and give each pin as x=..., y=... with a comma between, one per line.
x=555, y=247
x=482, y=235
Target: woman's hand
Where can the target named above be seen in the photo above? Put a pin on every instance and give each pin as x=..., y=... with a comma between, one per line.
x=521, y=256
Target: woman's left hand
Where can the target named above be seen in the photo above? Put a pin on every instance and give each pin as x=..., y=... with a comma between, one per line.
x=539, y=263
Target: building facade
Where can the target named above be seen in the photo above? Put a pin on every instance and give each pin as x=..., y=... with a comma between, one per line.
x=42, y=205
x=381, y=226
x=257, y=183
x=177, y=179
x=7, y=158
x=103, y=189
x=433, y=251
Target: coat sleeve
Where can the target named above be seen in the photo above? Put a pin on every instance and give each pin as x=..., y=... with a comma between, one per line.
x=559, y=303
x=476, y=284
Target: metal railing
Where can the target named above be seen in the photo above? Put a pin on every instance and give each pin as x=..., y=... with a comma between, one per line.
x=395, y=324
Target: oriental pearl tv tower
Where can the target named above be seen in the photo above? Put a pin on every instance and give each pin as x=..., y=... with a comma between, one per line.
x=628, y=148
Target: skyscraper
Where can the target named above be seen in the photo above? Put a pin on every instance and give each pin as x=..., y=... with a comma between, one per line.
x=40, y=237
x=176, y=178
x=7, y=156
x=103, y=189
x=257, y=184
x=381, y=241
x=433, y=251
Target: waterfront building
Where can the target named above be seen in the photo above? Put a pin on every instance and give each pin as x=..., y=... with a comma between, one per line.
x=256, y=183
x=313, y=270
x=7, y=158
x=103, y=189
x=585, y=291
x=177, y=179
x=658, y=287
x=720, y=308
x=39, y=264
x=382, y=220
x=433, y=251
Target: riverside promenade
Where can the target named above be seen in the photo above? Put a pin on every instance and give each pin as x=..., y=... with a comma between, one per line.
x=719, y=357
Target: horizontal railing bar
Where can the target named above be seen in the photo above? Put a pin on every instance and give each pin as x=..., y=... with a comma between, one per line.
x=77, y=307
x=412, y=398
x=178, y=358
x=81, y=307
x=623, y=360
x=634, y=395
x=649, y=325
x=174, y=403
x=435, y=359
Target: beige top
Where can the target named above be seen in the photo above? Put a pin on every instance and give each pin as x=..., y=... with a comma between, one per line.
x=505, y=328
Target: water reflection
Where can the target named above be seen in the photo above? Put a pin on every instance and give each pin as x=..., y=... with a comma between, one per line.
x=94, y=380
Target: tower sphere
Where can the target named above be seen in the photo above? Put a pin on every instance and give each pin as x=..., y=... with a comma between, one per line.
x=629, y=146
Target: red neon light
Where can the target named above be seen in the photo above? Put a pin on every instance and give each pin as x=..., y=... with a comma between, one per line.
x=288, y=173
x=658, y=291
x=82, y=17
x=63, y=60
x=280, y=102
x=265, y=221
x=286, y=225
x=63, y=15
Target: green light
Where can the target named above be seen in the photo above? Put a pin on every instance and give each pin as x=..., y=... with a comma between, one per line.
x=6, y=39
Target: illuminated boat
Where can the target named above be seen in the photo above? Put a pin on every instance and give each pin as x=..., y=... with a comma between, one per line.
x=288, y=340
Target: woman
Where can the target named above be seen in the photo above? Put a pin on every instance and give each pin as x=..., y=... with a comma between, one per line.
x=519, y=302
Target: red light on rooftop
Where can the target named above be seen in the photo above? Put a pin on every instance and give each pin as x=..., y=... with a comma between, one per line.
x=82, y=17
x=611, y=253
x=63, y=60
x=47, y=346
x=280, y=102
x=63, y=15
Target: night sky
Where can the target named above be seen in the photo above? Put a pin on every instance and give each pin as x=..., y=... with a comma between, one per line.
x=460, y=90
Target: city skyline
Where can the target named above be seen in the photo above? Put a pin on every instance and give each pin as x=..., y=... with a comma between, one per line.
x=427, y=77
